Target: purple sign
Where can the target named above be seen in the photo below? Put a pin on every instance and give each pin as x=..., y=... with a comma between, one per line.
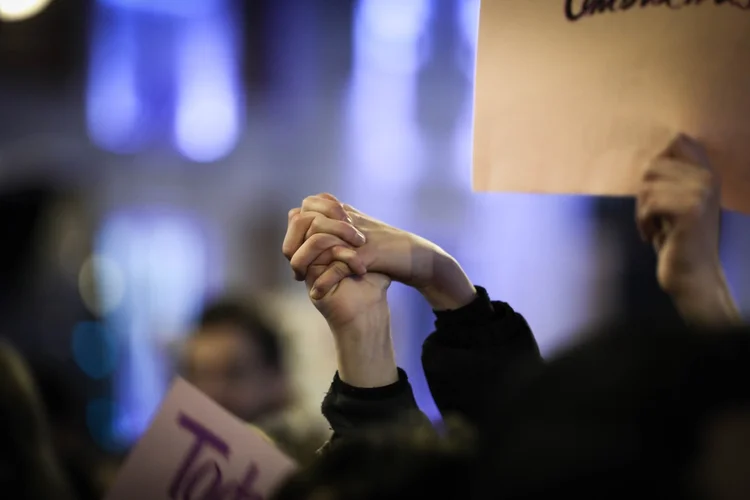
x=194, y=450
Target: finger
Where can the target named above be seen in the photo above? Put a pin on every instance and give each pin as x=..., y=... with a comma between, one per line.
x=351, y=209
x=344, y=254
x=675, y=170
x=297, y=228
x=310, y=250
x=688, y=149
x=344, y=230
x=659, y=209
x=329, y=196
x=332, y=209
x=292, y=213
x=329, y=280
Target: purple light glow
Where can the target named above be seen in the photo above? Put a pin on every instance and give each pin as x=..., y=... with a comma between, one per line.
x=207, y=125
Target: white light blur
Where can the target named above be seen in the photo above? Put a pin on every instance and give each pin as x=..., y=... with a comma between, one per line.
x=113, y=106
x=163, y=259
x=207, y=125
x=390, y=34
x=176, y=8
x=96, y=271
x=468, y=18
x=20, y=10
x=381, y=102
x=468, y=15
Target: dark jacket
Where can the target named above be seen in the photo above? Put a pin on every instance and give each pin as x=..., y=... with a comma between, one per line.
x=476, y=355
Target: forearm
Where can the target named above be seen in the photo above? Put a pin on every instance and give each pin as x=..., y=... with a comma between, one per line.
x=707, y=301
x=364, y=351
x=450, y=288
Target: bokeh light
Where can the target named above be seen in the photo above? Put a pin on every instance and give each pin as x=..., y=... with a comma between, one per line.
x=390, y=34
x=96, y=271
x=20, y=10
x=99, y=417
x=94, y=349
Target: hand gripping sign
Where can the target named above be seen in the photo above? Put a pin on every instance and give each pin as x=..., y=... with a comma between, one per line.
x=576, y=96
x=196, y=450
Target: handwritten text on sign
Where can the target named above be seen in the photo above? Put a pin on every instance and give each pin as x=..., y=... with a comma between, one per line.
x=584, y=108
x=193, y=474
x=578, y=9
x=194, y=450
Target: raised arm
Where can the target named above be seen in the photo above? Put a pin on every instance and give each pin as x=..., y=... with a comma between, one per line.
x=479, y=347
x=368, y=388
x=679, y=212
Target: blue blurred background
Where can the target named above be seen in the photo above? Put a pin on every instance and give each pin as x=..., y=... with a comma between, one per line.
x=162, y=142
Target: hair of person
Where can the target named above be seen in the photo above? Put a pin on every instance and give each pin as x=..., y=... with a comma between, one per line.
x=621, y=414
x=22, y=208
x=29, y=469
x=403, y=461
x=233, y=312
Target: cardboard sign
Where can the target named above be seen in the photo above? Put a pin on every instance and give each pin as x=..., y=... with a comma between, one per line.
x=577, y=96
x=196, y=450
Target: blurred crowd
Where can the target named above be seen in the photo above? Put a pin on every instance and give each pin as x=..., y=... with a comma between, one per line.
x=647, y=405
x=466, y=346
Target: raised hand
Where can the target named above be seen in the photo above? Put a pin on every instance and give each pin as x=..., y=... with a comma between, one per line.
x=403, y=256
x=355, y=305
x=679, y=211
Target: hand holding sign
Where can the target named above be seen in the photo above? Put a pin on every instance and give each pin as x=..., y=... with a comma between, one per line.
x=678, y=210
x=578, y=96
x=195, y=450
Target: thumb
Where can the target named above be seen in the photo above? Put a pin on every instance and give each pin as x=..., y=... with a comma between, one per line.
x=322, y=284
x=685, y=148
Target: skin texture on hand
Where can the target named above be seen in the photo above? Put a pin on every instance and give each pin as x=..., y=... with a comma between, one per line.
x=347, y=261
x=369, y=245
x=679, y=212
x=358, y=315
x=364, y=349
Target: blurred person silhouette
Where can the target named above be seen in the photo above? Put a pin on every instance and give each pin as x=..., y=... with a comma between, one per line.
x=640, y=409
x=636, y=410
x=46, y=239
x=237, y=358
x=90, y=470
x=403, y=461
x=29, y=467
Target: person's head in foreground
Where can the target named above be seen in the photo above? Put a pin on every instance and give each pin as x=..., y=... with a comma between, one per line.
x=640, y=411
x=29, y=469
x=235, y=358
x=408, y=461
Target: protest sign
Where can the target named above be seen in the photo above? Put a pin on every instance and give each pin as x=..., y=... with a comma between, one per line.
x=576, y=96
x=195, y=450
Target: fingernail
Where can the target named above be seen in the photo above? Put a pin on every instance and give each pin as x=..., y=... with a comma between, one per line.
x=361, y=235
x=315, y=293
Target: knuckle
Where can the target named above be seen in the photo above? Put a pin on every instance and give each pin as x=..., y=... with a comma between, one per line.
x=341, y=269
x=318, y=223
x=287, y=251
x=705, y=177
x=297, y=218
x=320, y=241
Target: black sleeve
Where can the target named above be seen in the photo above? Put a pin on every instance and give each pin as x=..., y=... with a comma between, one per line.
x=476, y=356
x=351, y=409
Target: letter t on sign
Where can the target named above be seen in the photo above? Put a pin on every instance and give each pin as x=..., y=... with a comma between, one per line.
x=203, y=436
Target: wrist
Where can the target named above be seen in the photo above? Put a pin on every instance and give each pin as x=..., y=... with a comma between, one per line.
x=364, y=352
x=450, y=288
x=697, y=284
x=704, y=298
